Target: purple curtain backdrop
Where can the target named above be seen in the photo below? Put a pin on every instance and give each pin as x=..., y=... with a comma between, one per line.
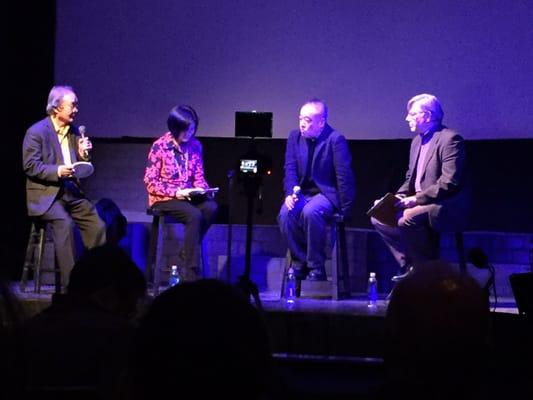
x=132, y=61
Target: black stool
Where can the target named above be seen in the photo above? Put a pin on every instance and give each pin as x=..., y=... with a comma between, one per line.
x=154, y=265
x=340, y=278
x=34, y=258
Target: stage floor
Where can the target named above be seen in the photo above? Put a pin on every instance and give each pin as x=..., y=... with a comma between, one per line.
x=316, y=310
x=355, y=305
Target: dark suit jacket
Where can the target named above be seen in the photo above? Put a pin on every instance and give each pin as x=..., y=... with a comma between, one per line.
x=331, y=168
x=41, y=155
x=443, y=180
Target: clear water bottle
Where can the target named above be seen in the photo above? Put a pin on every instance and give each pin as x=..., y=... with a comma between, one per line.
x=372, y=291
x=290, y=289
x=174, y=277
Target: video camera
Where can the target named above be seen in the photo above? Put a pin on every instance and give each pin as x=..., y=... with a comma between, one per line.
x=248, y=166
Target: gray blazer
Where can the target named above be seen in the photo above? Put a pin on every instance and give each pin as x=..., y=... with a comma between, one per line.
x=443, y=180
x=41, y=155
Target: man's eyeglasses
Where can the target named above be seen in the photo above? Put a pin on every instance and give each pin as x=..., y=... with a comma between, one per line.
x=70, y=106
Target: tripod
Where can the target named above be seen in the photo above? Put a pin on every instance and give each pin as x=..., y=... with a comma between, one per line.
x=252, y=185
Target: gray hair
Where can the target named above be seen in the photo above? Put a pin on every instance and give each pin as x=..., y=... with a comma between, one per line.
x=56, y=96
x=428, y=102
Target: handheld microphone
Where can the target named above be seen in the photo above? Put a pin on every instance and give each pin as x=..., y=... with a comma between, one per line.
x=82, y=129
x=296, y=190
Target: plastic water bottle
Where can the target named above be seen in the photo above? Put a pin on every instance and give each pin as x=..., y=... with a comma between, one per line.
x=174, y=277
x=290, y=293
x=372, y=291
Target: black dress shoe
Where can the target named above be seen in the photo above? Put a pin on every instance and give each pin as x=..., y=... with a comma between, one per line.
x=401, y=276
x=317, y=275
x=300, y=271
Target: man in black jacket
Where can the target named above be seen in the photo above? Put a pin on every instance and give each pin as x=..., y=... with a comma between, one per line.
x=318, y=182
x=53, y=192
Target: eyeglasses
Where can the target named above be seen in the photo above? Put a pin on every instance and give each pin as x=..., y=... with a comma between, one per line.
x=70, y=106
x=414, y=114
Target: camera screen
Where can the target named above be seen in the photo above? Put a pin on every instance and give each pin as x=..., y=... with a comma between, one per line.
x=249, y=166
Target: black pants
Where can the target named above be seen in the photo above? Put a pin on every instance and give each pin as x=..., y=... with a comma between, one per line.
x=197, y=216
x=69, y=208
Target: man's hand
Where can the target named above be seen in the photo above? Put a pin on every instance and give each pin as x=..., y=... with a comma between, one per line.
x=84, y=145
x=290, y=201
x=407, y=202
x=65, y=171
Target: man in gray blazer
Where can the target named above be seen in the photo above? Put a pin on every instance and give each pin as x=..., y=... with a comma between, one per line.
x=53, y=192
x=318, y=182
x=432, y=199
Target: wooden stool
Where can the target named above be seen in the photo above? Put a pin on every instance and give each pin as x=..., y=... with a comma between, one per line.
x=340, y=278
x=154, y=262
x=34, y=258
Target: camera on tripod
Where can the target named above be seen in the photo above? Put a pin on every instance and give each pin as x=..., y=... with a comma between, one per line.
x=253, y=165
x=252, y=124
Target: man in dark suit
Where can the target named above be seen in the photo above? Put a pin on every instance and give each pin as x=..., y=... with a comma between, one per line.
x=53, y=192
x=318, y=182
x=432, y=199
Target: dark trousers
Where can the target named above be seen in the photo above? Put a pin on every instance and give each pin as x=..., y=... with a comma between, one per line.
x=197, y=217
x=304, y=229
x=66, y=210
x=413, y=241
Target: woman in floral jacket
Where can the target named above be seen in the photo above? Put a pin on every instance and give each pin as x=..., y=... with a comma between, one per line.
x=174, y=179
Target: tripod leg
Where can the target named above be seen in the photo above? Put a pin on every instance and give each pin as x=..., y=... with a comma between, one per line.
x=249, y=289
x=255, y=295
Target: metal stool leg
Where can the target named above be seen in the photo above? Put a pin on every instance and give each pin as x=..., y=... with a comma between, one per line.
x=39, y=259
x=149, y=270
x=159, y=254
x=340, y=279
x=29, y=259
x=204, y=259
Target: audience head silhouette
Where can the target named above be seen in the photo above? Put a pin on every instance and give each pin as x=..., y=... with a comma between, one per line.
x=437, y=329
x=107, y=276
x=205, y=338
x=78, y=347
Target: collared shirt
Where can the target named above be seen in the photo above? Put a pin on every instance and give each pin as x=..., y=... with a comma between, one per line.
x=426, y=139
x=62, y=137
x=170, y=168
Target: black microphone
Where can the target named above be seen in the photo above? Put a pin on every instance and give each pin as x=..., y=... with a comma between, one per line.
x=82, y=129
x=478, y=258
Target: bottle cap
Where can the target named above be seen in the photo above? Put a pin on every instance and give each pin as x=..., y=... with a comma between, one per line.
x=372, y=274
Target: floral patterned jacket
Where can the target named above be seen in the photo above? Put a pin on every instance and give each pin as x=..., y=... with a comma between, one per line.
x=170, y=168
